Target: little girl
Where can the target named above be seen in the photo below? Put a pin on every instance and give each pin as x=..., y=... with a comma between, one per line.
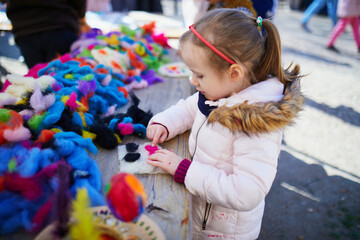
x=244, y=100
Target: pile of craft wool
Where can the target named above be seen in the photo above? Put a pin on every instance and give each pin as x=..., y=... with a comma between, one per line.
x=60, y=110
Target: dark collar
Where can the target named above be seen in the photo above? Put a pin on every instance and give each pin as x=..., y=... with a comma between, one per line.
x=204, y=108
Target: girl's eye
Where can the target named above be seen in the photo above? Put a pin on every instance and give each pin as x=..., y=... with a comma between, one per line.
x=199, y=76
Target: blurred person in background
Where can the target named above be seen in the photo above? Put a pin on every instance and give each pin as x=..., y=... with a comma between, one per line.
x=348, y=12
x=153, y=6
x=194, y=9
x=103, y=6
x=314, y=8
x=43, y=30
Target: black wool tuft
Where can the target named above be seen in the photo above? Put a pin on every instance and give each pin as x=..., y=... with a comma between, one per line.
x=105, y=138
x=132, y=157
x=131, y=147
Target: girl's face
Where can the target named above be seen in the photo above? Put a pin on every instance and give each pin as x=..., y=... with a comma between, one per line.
x=207, y=80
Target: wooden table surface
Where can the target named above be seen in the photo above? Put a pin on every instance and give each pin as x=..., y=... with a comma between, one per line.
x=168, y=202
x=172, y=202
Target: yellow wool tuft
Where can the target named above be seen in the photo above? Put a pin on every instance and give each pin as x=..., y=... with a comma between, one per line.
x=84, y=225
x=87, y=134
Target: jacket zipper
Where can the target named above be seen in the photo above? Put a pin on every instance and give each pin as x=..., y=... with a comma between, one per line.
x=207, y=205
x=197, y=134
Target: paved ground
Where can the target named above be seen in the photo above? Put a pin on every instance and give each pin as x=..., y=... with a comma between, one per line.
x=316, y=194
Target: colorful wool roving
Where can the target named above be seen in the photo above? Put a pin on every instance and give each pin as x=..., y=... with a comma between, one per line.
x=54, y=115
x=125, y=196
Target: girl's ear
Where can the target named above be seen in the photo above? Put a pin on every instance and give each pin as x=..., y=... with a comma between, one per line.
x=236, y=72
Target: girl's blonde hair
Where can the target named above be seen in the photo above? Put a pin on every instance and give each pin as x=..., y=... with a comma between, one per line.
x=237, y=35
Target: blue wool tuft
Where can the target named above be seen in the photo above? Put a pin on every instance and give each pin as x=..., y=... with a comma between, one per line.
x=113, y=96
x=11, y=224
x=89, y=119
x=119, y=76
x=64, y=147
x=127, y=120
x=52, y=116
x=77, y=120
x=79, y=159
x=31, y=164
x=97, y=105
x=18, y=152
x=79, y=140
x=139, y=130
x=7, y=201
x=66, y=91
x=112, y=124
x=96, y=199
x=137, y=78
x=47, y=157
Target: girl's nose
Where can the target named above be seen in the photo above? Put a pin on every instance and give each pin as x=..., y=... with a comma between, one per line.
x=193, y=81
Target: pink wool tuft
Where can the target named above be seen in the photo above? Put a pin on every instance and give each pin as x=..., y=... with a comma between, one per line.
x=110, y=111
x=28, y=187
x=65, y=58
x=151, y=149
x=33, y=72
x=125, y=128
x=71, y=103
x=18, y=134
x=56, y=86
x=7, y=83
x=40, y=216
x=106, y=80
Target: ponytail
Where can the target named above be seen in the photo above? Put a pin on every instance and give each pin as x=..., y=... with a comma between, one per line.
x=270, y=63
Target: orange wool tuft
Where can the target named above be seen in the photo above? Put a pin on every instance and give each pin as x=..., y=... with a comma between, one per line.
x=135, y=62
x=116, y=65
x=102, y=51
x=149, y=28
x=45, y=136
x=124, y=91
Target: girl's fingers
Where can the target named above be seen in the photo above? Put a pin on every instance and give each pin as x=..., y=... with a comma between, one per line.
x=163, y=138
x=150, y=133
x=153, y=163
x=156, y=138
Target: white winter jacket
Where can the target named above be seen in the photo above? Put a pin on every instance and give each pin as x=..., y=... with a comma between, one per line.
x=234, y=156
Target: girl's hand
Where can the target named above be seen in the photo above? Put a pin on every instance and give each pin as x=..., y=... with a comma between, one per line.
x=165, y=159
x=157, y=133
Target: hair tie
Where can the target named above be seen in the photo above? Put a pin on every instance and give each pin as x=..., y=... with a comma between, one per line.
x=210, y=45
x=259, y=21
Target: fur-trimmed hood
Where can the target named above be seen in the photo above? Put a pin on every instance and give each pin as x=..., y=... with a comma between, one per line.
x=261, y=108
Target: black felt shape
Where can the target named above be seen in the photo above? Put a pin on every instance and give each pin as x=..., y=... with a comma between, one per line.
x=131, y=147
x=132, y=157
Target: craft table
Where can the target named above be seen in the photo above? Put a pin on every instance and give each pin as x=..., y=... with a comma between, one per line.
x=168, y=203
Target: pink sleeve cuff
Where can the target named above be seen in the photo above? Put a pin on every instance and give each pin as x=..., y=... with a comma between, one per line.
x=181, y=171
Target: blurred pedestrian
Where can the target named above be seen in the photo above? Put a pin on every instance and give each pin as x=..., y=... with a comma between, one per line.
x=314, y=8
x=43, y=30
x=153, y=6
x=348, y=12
x=194, y=9
x=103, y=6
